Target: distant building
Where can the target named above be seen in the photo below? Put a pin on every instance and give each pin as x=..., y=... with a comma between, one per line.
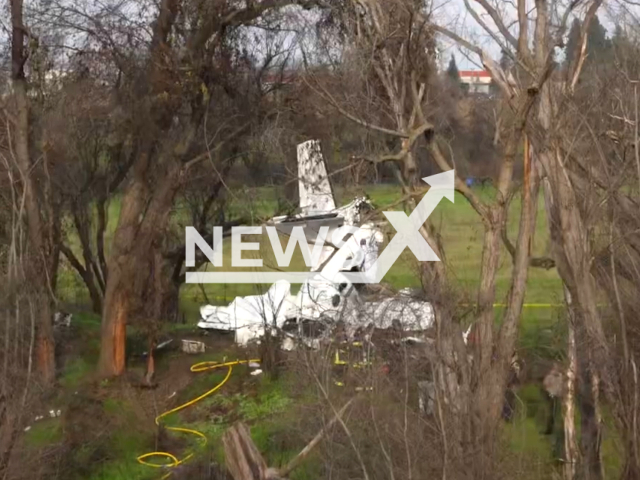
x=476, y=81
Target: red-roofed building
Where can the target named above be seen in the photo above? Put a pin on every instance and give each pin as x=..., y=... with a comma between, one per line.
x=476, y=81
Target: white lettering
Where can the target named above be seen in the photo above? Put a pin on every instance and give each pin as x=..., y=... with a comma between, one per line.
x=237, y=246
x=193, y=238
x=283, y=258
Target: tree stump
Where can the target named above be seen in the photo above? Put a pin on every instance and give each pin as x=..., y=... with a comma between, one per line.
x=243, y=459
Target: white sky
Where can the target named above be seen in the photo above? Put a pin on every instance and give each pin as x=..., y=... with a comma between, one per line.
x=450, y=13
x=454, y=15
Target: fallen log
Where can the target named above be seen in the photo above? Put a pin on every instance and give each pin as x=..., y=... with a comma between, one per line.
x=242, y=457
x=245, y=462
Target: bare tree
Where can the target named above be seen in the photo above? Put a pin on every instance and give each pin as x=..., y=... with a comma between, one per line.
x=565, y=180
x=43, y=229
x=393, y=44
x=191, y=61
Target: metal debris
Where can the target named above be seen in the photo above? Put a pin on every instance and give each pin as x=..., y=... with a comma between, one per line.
x=193, y=346
x=62, y=319
x=320, y=301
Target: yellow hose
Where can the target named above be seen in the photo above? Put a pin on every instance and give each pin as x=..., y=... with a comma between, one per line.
x=174, y=461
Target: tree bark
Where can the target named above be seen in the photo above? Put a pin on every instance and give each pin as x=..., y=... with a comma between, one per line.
x=590, y=424
x=489, y=394
x=487, y=291
x=169, y=285
x=629, y=422
x=570, y=444
x=114, y=325
x=117, y=298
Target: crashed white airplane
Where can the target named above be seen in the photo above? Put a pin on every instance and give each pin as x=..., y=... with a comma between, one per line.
x=328, y=297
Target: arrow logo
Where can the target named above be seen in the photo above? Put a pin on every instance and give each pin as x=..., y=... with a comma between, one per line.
x=408, y=233
x=408, y=228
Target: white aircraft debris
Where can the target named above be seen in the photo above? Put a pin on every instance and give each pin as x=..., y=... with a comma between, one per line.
x=328, y=297
x=62, y=319
x=193, y=346
x=426, y=397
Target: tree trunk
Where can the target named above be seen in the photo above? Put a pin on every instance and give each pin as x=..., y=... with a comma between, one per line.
x=151, y=364
x=570, y=445
x=488, y=399
x=168, y=286
x=573, y=255
x=629, y=422
x=242, y=458
x=570, y=239
x=590, y=425
x=170, y=302
x=495, y=355
x=135, y=246
x=114, y=328
x=96, y=297
x=487, y=291
x=41, y=256
x=87, y=277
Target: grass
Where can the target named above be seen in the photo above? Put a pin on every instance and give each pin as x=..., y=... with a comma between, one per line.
x=75, y=371
x=119, y=470
x=47, y=431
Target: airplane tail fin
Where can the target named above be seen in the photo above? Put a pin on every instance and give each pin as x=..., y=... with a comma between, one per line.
x=316, y=193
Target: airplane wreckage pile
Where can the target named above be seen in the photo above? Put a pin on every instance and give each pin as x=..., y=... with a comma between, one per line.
x=327, y=298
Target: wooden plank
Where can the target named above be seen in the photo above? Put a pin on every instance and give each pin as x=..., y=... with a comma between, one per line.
x=243, y=459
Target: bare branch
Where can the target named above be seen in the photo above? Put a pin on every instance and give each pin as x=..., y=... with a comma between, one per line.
x=495, y=16
x=475, y=201
x=591, y=13
x=329, y=98
x=304, y=453
x=486, y=28
x=523, y=34
x=497, y=73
